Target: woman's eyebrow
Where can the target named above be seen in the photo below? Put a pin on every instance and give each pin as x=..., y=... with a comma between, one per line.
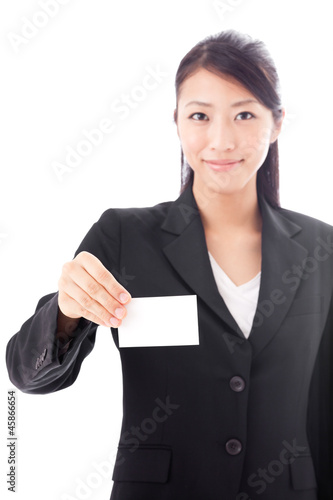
x=233, y=105
x=245, y=101
x=200, y=103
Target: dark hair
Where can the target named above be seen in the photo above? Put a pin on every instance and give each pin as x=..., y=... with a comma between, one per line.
x=248, y=61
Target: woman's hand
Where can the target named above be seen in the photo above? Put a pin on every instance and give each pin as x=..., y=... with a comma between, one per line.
x=87, y=289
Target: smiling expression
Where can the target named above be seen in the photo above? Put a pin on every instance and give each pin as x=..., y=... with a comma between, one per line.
x=225, y=132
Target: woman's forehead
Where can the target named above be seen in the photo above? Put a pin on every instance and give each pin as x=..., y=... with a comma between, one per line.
x=204, y=82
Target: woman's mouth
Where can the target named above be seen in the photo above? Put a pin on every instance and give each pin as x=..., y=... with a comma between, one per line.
x=223, y=165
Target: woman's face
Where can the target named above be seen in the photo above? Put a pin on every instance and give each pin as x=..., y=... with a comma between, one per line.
x=224, y=131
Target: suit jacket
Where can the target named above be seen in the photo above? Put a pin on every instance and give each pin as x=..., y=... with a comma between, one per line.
x=230, y=418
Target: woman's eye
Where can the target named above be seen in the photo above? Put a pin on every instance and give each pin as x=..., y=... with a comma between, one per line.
x=199, y=116
x=245, y=115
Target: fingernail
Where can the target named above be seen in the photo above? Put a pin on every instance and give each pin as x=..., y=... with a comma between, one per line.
x=114, y=322
x=123, y=297
x=119, y=312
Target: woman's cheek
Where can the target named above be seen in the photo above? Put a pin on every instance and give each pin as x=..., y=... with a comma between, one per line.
x=256, y=143
x=192, y=146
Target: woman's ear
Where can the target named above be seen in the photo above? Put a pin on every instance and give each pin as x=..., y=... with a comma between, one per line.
x=278, y=126
x=175, y=120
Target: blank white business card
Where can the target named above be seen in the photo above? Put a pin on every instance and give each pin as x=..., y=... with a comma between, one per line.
x=160, y=321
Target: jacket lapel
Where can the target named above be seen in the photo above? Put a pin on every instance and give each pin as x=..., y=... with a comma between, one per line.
x=188, y=254
x=281, y=256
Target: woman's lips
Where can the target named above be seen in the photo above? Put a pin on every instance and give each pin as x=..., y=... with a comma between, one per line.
x=222, y=165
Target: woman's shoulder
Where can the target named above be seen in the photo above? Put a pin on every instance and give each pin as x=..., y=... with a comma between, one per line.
x=117, y=223
x=148, y=215
x=306, y=221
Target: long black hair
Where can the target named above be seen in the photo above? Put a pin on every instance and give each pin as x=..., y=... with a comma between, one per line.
x=249, y=62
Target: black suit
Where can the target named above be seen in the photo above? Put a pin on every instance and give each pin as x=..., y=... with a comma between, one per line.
x=230, y=418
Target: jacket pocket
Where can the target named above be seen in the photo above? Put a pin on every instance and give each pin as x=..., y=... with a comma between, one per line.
x=144, y=464
x=302, y=473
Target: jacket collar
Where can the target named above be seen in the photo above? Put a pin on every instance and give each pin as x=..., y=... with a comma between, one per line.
x=188, y=254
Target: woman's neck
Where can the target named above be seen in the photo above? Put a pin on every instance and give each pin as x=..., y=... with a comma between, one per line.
x=229, y=212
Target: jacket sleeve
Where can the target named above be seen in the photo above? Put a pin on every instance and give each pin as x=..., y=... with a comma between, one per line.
x=37, y=362
x=320, y=412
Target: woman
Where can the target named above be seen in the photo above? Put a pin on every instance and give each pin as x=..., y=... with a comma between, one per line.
x=247, y=412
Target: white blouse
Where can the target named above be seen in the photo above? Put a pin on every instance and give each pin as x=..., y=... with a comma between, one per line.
x=241, y=300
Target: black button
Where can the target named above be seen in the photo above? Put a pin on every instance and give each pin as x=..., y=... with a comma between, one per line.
x=237, y=384
x=233, y=446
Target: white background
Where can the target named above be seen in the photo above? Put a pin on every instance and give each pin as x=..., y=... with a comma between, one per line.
x=64, y=80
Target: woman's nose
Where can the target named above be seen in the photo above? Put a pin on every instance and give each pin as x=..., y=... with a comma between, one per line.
x=221, y=137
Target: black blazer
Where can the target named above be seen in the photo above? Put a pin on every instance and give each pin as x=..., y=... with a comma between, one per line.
x=230, y=418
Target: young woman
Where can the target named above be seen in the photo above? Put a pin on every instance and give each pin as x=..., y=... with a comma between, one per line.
x=247, y=412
